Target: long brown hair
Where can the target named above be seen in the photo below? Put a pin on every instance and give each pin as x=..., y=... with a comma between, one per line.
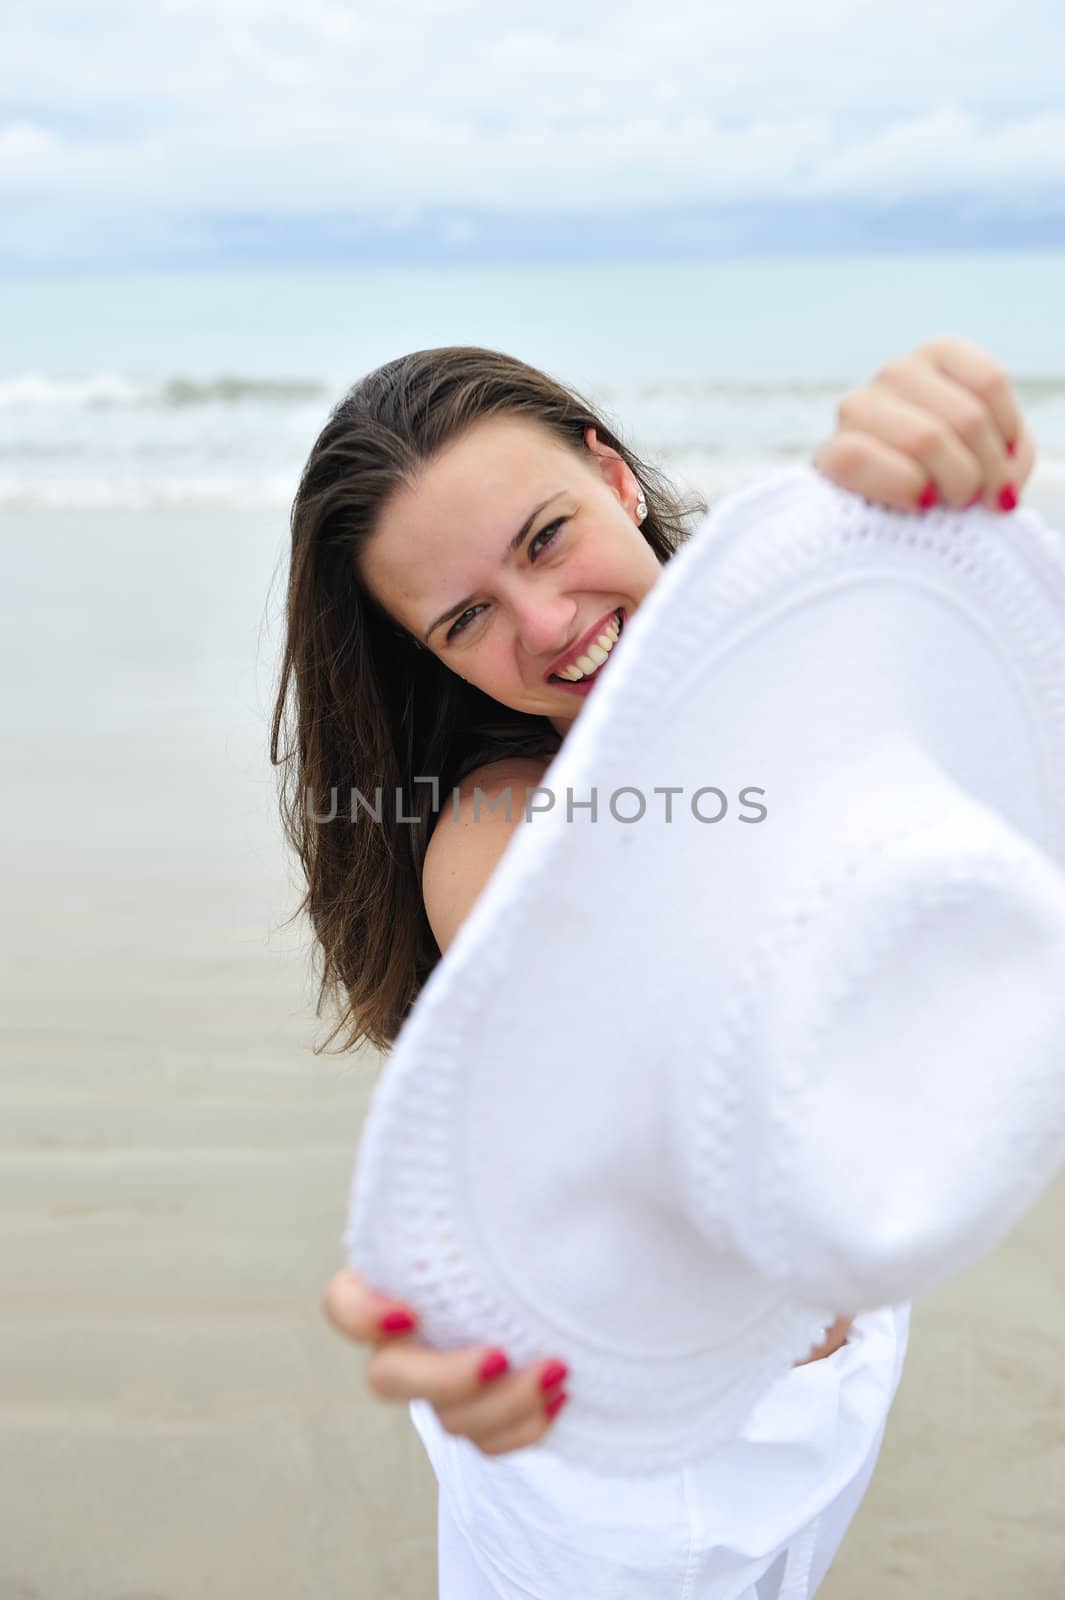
x=364, y=706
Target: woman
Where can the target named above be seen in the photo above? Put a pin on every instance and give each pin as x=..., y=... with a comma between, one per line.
x=469, y=537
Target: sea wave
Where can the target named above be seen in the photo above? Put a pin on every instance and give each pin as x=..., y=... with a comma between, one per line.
x=118, y=440
x=22, y=493
x=110, y=391
x=96, y=391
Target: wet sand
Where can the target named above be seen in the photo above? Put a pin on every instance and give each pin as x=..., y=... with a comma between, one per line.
x=177, y=1419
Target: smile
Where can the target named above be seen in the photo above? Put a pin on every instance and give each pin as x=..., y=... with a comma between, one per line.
x=587, y=664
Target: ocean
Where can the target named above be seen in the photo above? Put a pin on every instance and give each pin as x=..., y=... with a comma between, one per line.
x=206, y=390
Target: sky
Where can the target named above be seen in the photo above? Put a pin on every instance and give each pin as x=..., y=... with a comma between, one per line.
x=214, y=132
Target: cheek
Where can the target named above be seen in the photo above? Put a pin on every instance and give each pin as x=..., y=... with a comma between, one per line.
x=598, y=569
x=490, y=663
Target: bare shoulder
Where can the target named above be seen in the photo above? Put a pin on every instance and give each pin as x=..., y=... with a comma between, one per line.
x=470, y=837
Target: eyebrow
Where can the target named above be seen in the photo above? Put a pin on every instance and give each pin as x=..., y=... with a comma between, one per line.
x=514, y=544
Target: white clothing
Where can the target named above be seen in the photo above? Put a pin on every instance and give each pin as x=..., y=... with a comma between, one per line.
x=759, y=1519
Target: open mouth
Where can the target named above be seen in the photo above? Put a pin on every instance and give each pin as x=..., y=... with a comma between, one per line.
x=589, y=677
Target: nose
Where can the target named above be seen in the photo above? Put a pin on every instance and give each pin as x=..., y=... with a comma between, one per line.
x=544, y=626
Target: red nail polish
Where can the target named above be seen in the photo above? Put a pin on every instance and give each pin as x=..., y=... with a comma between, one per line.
x=1011, y=449
x=1008, y=498
x=927, y=497
x=493, y=1366
x=396, y=1322
x=553, y=1373
x=553, y=1407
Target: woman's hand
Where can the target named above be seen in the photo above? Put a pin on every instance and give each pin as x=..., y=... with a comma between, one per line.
x=942, y=424
x=503, y=1411
x=834, y=1338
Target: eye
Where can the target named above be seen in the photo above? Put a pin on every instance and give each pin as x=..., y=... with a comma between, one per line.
x=460, y=624
x=550, y=529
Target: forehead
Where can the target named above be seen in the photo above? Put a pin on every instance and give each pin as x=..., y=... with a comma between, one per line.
x=464, y=507
x=491, y=467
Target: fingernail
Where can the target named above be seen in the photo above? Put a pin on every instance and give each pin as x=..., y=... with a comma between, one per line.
x=396, y=1322
x=975, y=501
x=553, y=1373
x=927, y=497
x=1008, y=498
x=553, y=1407
x=1011, y=449
x=493, y=1366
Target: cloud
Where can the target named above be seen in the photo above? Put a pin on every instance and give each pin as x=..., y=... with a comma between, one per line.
x=948, y=150
x=141, y=119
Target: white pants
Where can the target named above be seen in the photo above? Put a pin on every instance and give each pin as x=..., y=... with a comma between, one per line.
x=461, y=1578
x=760, y=1519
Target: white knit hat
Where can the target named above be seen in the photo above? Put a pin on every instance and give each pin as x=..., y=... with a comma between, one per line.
x=681, y=1093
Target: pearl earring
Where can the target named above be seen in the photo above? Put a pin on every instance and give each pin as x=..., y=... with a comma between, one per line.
x=641, y=509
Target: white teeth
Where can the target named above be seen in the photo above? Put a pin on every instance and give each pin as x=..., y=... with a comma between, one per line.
x=595, y=656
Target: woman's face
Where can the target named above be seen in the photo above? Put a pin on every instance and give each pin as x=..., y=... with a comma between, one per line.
x=505, y=619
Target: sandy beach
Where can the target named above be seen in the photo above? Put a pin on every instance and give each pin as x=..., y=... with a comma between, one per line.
x=178, y=1421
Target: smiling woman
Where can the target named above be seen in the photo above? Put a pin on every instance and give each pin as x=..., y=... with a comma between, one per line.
x=465, y=531
x=468, y=539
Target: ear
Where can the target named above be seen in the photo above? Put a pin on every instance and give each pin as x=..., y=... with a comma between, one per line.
x=615, y=473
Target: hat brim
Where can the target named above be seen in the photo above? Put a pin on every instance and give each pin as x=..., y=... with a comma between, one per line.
x=524, y=1174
